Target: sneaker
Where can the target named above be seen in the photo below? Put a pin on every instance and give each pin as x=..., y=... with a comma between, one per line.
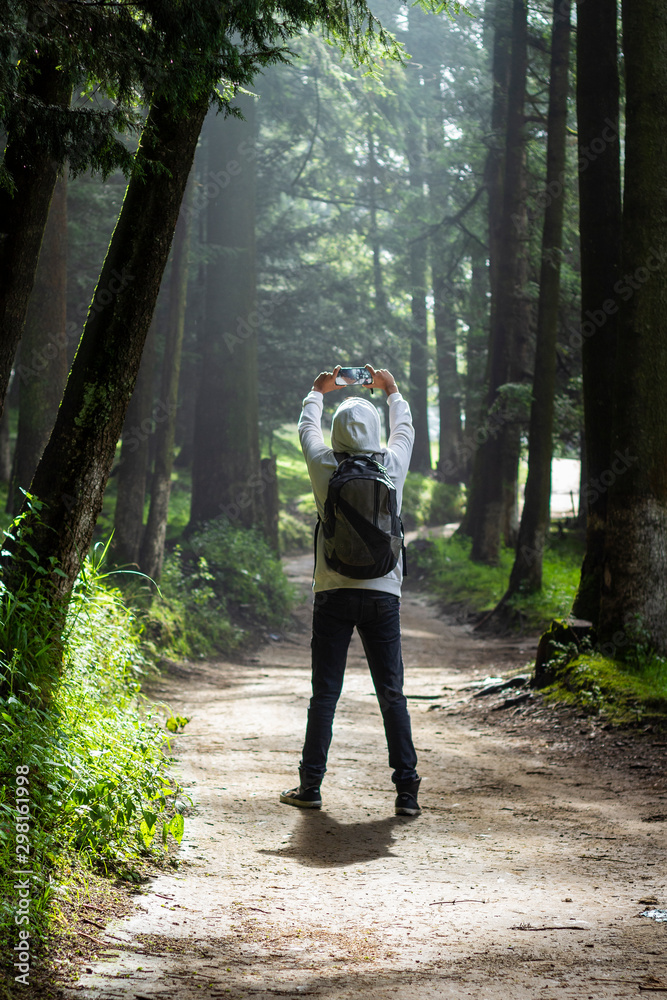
x=304, y=798
x=407, y=805
x=406, y=800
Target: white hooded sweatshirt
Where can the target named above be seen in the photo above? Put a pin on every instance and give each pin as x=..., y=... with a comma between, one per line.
x=355, y=430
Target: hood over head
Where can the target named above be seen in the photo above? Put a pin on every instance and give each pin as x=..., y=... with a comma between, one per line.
x=355, y=427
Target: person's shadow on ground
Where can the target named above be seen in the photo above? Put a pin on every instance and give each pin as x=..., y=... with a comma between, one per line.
x=320, y=841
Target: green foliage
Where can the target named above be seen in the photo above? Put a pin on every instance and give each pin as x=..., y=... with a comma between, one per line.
x=428, y=502
x=457, y=581
x=216, y=591
x=295, y=533
x=244, y=573
x=622, y=679
x=98, y=783
x=628, y=691
x=186, y=618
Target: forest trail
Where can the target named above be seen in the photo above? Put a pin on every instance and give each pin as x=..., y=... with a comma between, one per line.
x=540, y=841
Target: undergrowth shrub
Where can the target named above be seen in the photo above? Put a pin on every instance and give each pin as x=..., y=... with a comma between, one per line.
x=218, y=590
x=445, y=564
x=93, y=756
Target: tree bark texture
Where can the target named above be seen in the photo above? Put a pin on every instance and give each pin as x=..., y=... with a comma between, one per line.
x=493, y=493
x=600, y=237
x=634, y=581
x=74, y=468
x=152, y=546
x=534, y=527
x=5, y=447
x=225, y=473
x=42, y=373
x=23, y=215
x=494, y=171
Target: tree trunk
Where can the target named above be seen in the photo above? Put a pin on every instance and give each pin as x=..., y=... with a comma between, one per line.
x=449, y=451
x=477, y=317
x=493, y=499
x=634, y=579
x=416, y=42
x=132, y=470
x=498, y=13
x=23, y=216
x=271, y=502
x=534, y=528
x=600, y=229
x=152, y=546
x=418, y=381
x=74, y=468
x=225, y=473
x=444, y=319
x=494, y=170
x=43, y=370
x=380, y=296
x=5, y=447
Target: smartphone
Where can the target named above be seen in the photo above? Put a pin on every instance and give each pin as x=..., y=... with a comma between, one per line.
x=354, y=376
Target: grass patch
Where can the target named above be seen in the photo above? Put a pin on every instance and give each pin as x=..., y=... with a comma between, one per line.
x=446, y=566
x=85, y=779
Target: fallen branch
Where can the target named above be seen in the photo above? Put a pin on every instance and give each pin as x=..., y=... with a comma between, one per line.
x=100, y=944
x=556, y=927
x=86, y=920
x=451, y=902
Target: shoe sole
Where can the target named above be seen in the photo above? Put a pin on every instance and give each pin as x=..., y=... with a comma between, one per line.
x=407, y=812
x=299, y=803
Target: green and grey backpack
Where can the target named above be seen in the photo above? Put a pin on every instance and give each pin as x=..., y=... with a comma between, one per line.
x=363, y=534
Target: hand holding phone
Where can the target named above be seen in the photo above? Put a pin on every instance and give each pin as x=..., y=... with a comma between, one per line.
x=354, y=376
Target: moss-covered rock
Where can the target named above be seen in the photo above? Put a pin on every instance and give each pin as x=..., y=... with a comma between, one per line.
x=564, y=639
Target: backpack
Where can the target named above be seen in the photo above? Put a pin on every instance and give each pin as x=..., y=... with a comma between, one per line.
x=363, y=534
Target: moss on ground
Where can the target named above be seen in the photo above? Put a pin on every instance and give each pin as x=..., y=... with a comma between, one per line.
x=621, y=693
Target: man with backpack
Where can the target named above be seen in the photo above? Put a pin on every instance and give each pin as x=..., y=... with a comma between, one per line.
x=358, y=487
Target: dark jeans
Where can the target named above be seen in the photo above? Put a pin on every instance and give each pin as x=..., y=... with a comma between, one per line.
x=377, y=617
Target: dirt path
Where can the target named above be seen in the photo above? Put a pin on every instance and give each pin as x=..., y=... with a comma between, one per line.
x=523, y=877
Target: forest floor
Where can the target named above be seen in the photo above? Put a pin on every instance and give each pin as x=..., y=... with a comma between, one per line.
x=540, y=842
